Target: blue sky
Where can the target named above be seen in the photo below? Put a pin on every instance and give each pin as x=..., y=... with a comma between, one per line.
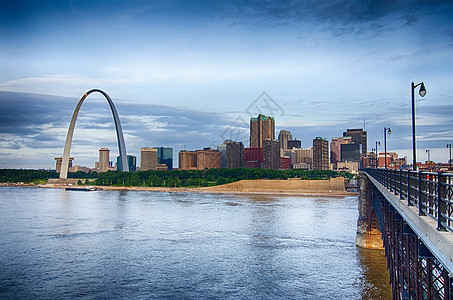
x=186, y=74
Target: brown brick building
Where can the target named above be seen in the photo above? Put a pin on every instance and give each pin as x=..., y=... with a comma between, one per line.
x=199, y=159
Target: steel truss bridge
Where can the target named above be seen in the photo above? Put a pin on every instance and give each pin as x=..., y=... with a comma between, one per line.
x=414, y=212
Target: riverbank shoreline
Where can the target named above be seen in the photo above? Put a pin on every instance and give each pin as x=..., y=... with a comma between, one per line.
x=243, y=187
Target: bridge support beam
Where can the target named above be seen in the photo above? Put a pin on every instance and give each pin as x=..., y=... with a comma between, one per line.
x=368, y=232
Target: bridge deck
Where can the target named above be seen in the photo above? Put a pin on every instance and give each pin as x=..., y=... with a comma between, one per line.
x=439, y=242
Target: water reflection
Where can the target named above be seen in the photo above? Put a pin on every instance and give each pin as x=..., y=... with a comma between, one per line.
x=375, y=278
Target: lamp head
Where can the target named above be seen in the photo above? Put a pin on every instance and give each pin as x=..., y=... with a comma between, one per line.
x=389, y=130
x=422, y=90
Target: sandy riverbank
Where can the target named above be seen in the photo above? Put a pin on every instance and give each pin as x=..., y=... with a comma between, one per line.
x=332, y=187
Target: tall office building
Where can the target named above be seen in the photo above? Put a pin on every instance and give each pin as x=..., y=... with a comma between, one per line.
x=358, y=136
x=294, y=144
x=271, y=154
x=351, y=152
x=148, y=159
x=131, y=161
x=261, y=128
x=304, y=157
x=222, y=150
x=234, y=154
x=104, y=159
x=283, y=137
x=165, y=156
x=320, y=154
x=335, y=148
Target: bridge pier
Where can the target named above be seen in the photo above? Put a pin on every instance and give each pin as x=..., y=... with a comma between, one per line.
x=368, y=232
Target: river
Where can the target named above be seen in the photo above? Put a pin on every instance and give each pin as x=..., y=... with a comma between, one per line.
x=58, y=244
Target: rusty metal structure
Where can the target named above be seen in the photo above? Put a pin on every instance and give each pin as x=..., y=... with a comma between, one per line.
x=415, y=214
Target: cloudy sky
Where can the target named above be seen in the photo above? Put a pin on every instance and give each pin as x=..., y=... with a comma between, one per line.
x=189, y=74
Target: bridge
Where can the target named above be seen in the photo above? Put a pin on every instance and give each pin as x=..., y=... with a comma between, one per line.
x=410, y=215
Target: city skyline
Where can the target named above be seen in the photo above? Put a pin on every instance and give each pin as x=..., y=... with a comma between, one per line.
x=182, y=74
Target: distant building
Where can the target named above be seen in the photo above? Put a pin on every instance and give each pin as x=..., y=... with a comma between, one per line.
x=58, y=161
x=78, y=168
x=283, y=137
x=358, y=136
x=165, y=156
x=391, y=158
x=200, y=159
x=302, y=166
x=335, y=148
x=351, y=152
x=348, y=166
x=234, y=154
x=294, y=144
x=271, y=154
x=371, y=159
x=187, y=160
x=253, y=157
x=148, y=159
x=222, y=150
x=161, y=167
x=131, y=161
x=104, y=159
x=285, y=162
x=261, y=128
x=303, y=156
x=320, y=154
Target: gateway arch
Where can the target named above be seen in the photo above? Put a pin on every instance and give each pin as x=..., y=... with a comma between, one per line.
x=119, y=135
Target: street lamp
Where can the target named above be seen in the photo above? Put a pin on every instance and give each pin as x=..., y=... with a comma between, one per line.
x=422, y=93
x=449, y=146
x=377, y=161
x=429, y=161
x=386, y=131
x=427, y=151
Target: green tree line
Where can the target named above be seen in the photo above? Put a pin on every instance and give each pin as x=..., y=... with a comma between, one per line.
x=173, y=178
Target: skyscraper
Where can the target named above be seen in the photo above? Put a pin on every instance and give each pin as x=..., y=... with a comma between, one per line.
x=165, y=156
x=234, y=154
x=358, y=136
x=351, y=152
x=271, y=154
x=320, y=154
x=261, y=128
x=131, y=162
x=148, y=159
x=104, y=158
x=335, y=148
x=283, y=137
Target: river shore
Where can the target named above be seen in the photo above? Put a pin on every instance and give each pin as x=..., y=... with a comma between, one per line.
x=331, y=187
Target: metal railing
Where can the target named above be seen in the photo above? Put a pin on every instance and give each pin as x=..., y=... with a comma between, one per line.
x=431, y=192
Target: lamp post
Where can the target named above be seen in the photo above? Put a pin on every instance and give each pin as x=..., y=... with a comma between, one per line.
x=449, y=146
x=386, y=131
x=422, y=93
x=429, y=160
x=377, y=160
x=372, y=164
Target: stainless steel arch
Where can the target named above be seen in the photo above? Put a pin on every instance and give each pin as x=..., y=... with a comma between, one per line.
x=119, y=135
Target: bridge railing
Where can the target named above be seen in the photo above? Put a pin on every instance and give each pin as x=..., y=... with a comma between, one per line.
x=431, y=192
